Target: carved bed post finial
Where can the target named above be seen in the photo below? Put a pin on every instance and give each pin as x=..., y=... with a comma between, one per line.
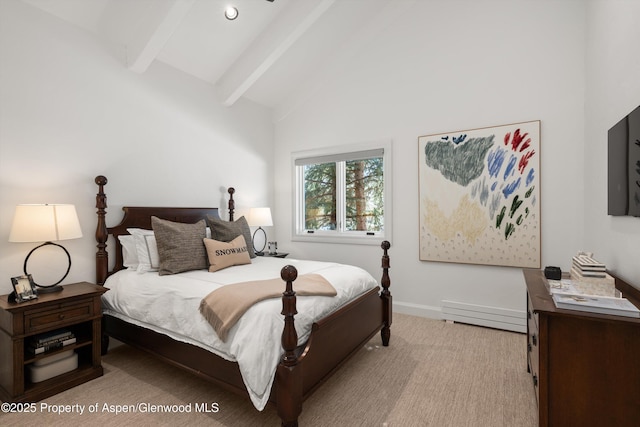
x=289, y=335
x=102, y=257
x=385, y=295
x=232, y=203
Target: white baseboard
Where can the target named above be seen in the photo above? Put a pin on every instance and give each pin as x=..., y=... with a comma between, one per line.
x=492, y=317
x=417, y=310
x=509, y=320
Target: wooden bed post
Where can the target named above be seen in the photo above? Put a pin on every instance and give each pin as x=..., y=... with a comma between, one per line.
x=102, y=257
x=288, y=379
x=385, y=295
x=232, y=203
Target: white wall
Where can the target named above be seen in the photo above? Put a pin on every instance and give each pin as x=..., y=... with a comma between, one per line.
x=613, y=91
x=70, y=110
x=442, y=67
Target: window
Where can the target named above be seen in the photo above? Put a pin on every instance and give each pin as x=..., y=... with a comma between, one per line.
x=343, y=194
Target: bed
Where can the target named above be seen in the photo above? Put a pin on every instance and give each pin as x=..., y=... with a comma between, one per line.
x=307, y=352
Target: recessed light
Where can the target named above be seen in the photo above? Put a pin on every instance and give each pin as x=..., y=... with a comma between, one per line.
x=231, y=13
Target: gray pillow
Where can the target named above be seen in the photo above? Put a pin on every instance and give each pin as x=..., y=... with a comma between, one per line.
x=225, y=231
x=180, y=246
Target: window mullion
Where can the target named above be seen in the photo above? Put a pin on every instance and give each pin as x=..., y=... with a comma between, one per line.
x=300, y=202
x=341, y=202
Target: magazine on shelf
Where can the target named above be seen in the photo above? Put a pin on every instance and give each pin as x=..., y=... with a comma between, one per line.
x=52, y=346
x=38, y=342
x=596, y=304
x=53, y=335
x=41, y=348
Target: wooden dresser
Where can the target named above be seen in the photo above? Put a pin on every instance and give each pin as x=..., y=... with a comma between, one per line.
x=585, y=366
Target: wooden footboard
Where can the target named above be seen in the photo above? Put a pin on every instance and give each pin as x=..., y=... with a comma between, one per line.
x=302, y=369
x=332, y=342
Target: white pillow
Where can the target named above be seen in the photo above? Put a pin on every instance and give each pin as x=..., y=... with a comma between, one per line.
x=146, y=249
x=129, y=251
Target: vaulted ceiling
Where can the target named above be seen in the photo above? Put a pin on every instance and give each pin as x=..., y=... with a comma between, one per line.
x=275, y=53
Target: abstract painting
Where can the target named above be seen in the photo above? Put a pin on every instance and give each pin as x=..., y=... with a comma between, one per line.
x=480, y=196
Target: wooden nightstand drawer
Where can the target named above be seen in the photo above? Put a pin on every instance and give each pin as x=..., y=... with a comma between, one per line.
x=58, y=315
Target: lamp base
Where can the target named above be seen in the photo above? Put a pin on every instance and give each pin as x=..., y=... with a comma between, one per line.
x=49, y=289
x=45, y=289
x=253, y=241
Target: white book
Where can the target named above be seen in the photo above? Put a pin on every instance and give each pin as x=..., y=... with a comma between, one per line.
x=583, y=268
x=587, y=261
x=585, y=273
x=596, y=304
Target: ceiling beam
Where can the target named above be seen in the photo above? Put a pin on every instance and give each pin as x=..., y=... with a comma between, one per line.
x=153, y=32
x=270, y=46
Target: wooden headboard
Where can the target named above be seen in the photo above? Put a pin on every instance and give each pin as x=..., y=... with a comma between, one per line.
x=138, y=217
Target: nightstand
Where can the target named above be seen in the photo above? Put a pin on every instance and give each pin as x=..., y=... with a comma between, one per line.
x=77, y=308
x=278, y=255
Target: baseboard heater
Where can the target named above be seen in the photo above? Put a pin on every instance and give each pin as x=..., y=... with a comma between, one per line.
x=493, y=317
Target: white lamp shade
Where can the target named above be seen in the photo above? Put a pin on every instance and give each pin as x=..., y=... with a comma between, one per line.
x=260, y=217
x=45, y=223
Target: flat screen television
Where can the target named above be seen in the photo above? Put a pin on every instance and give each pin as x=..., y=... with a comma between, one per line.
x=624, y=166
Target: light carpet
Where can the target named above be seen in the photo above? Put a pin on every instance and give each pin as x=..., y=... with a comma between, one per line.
x=433, y=374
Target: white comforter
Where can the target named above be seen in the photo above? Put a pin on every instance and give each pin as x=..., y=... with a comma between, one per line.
x=169, y=304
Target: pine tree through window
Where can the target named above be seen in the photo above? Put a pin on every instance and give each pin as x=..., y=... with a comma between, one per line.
x=342, y=194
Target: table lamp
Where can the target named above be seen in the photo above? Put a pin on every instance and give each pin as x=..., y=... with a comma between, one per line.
x=259, y=217
x=45, y=223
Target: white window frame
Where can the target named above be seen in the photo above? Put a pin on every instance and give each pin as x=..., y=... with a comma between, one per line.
x=300, y=234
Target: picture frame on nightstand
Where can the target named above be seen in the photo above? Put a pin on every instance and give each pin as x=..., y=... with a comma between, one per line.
x=24, y=288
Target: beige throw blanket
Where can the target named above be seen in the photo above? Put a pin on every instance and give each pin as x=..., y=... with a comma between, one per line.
x=223, y=307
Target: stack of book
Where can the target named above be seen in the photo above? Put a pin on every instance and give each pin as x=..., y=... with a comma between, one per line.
x=585, y=266
x=56, y=363
x=596, y=304
x=590, y=289
x=51, y=340
x=598, y=287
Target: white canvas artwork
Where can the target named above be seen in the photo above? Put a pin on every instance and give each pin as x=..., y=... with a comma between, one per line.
x=480, y=196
